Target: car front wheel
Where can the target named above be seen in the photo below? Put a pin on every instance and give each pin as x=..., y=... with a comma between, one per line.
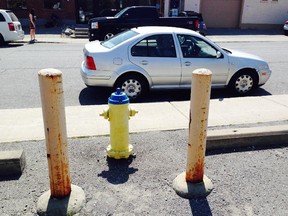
x=108, y=35
x=243, y=82
x=134, y=86
x=2, y=42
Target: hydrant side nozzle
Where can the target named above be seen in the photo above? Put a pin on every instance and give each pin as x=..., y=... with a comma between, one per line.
x=105, y=114
x=132, y=112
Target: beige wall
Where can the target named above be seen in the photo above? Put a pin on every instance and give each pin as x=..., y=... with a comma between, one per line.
x=252, y=14
x=264, y=12
x=221, y=13
x=192, y=5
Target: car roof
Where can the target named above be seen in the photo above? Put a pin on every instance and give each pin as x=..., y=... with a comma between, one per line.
x=163, y=29
x=4, y=10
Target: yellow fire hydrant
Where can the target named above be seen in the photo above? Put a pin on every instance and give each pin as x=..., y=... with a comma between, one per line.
x=118, y=114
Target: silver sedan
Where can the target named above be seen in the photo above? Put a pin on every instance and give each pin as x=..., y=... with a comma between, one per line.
x=147, y=58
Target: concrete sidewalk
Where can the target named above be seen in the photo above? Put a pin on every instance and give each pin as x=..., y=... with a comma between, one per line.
x=229, y=118
x=46, y=35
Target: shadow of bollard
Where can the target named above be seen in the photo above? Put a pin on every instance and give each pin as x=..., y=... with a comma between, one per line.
x=200, y=207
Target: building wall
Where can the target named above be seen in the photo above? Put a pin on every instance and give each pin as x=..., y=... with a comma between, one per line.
x=66, y=13
x=264, y=14
x=253, y=14
x=221, y=13
x=192, y=5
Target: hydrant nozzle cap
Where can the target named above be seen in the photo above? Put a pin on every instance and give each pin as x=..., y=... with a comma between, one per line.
x=118, y=97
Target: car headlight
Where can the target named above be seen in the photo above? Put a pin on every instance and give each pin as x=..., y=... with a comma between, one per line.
x=94, y=25
x=263, y=67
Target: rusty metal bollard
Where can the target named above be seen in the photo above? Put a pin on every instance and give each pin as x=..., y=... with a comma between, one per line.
x=53, y=109
x=193, y=183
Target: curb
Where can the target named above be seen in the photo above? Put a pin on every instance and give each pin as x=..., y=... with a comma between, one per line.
x=12, y=163
x=268, y=136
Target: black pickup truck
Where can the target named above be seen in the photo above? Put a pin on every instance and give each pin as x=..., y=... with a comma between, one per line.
x=102, y=28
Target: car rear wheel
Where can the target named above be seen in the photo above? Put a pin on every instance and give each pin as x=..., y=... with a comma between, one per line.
x=243, y=82
x=134, y=86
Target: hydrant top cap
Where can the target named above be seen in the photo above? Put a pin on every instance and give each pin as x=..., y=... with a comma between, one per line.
x=118, y=97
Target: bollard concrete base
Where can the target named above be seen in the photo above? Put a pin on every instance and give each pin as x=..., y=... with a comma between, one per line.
x=112, y=153
x=69, y=205
x=189, y=190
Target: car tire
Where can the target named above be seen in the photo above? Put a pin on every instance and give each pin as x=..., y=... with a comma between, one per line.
x=133, y=85
x=286, y=32
x=107, y=35
x=243, y=82
x=2, y=42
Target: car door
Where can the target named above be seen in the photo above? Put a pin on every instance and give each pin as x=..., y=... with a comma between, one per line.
x=198, y=53
x=157, y=56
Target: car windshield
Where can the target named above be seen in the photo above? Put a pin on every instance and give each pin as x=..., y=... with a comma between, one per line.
x=13, y=16
x=120, y=13
x=119, y=38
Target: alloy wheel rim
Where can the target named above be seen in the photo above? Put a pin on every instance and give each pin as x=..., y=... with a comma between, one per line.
x=109, y=35
x=244, y=84
x=132, y=88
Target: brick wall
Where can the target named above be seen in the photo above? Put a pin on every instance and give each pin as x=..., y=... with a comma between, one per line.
x=67, y=12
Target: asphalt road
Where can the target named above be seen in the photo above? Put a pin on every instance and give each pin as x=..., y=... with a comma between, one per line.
x=19, y=64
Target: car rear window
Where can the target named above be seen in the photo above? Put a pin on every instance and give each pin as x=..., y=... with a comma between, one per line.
x=119, y=38
x=12, y=16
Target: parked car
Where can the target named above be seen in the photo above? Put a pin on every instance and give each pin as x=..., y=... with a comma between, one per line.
x=202, y=28
x=285, y=28
x=147, y=58
x=10, y=27
x=108, y=12
x=102, y=28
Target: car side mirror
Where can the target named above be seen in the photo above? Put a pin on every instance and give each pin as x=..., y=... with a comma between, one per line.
x=218, y=54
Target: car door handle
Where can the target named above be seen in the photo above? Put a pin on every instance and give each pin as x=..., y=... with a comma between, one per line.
x=187, y=63
x=144, y=62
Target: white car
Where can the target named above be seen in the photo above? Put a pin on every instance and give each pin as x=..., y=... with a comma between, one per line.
x=10, y=27
x=147, y=58
x=285, y=28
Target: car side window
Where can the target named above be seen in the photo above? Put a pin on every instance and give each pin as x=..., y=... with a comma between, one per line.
x=2, y=18
x=155, y=46
x=194, y=47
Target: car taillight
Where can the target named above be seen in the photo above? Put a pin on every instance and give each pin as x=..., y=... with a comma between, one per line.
x=11, y=26
x=197, y=23
x=90, y=63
